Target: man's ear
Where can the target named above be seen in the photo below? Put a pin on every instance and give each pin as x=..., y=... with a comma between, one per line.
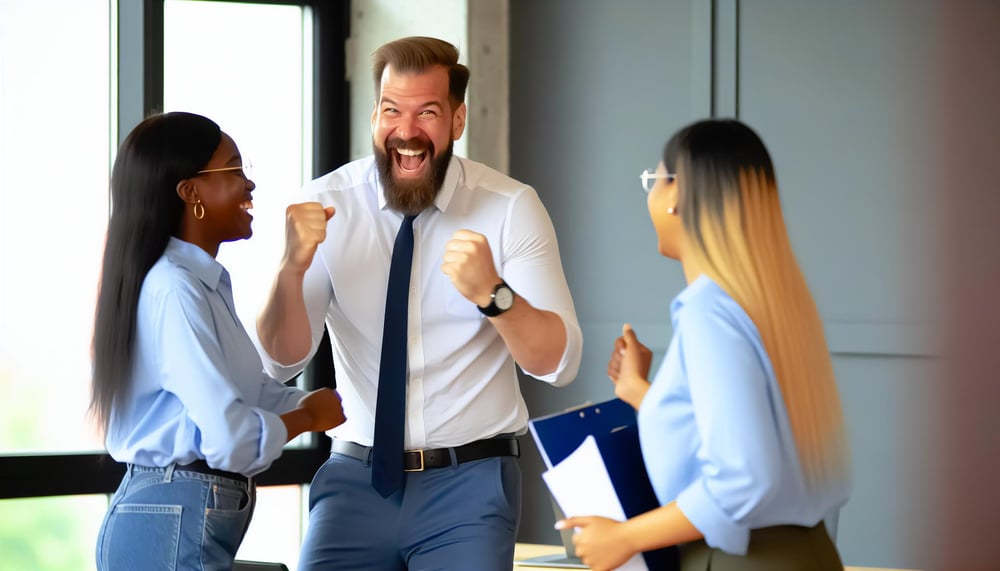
x=458, y=124
x=188, y=191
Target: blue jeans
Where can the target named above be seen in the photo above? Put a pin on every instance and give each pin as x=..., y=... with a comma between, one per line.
x=459, y=517
x=170, y=519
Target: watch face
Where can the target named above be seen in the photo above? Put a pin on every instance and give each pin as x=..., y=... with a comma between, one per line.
x=504, y=298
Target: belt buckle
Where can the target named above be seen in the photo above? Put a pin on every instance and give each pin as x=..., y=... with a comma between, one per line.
x=421, y=468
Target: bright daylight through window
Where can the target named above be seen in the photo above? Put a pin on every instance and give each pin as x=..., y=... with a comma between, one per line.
x=55, y=152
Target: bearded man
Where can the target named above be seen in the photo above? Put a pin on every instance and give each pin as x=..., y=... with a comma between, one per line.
x=433, y=275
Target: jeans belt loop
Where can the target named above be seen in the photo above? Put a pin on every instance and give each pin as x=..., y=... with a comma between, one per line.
x=168, y=473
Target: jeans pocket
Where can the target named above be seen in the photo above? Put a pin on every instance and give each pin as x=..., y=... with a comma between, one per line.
x=226, y=518
x=227, y=498
x=140, y=536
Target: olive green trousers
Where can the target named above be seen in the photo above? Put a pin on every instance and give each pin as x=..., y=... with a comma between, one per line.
x=779, y=548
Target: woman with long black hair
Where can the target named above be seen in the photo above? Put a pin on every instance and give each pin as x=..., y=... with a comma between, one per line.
x=178, y=387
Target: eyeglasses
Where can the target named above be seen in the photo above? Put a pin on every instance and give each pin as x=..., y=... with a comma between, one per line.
x=246, y=170
x=649, y=177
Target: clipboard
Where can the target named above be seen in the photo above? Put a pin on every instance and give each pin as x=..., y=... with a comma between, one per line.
x=558, y=435
x=613, y=426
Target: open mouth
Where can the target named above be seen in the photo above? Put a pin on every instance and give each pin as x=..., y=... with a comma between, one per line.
x=409, y=161
x=246, y=206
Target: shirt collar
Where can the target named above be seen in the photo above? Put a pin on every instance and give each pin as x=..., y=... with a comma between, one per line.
x=452, y=179
x=692, y=289
x=195, y=260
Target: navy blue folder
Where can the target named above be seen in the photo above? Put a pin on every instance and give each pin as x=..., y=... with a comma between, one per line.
x=613, y=425
x=558, y=435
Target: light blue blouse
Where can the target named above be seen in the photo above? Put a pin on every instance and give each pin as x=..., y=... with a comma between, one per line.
x=714, y=429
x=198, y=390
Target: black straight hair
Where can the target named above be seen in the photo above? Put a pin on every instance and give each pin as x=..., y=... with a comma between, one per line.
x=146, y=211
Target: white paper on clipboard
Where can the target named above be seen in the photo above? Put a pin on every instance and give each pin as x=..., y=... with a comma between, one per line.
x=581, y=486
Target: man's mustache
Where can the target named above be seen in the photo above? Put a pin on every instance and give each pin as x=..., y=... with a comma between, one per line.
x=416, y=144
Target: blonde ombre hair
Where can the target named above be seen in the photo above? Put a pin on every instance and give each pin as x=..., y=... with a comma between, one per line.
x=735, y=233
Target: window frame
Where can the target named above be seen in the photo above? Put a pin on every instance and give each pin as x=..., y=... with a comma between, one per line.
x=139, y=93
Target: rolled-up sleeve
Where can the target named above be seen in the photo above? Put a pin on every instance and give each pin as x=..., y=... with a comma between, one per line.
x=739, y=454
x=277, y=397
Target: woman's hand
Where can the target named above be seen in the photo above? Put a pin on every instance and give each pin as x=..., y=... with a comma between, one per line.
x=324, y=408
x=628, y=367
x=601, y=543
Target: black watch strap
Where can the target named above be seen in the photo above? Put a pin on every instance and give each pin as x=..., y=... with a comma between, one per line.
x=501, y=300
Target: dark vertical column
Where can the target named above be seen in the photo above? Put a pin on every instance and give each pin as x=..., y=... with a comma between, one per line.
x=140, y=62
x=725, y=58
x=331, y=145
x=715, y=71
x=963, y=526
x=331, y=96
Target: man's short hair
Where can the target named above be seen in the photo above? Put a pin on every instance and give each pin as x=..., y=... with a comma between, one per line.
x=418, y=54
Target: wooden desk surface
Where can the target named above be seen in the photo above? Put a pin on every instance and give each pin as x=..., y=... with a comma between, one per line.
x=528, y=550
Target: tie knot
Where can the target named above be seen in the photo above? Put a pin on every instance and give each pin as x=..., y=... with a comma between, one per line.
x=404, y=238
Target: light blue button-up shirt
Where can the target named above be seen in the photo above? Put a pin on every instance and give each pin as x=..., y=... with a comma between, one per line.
x=198, y=390
x=715, y=432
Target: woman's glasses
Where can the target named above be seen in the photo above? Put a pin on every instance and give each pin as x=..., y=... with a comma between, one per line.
x=649, y=177
x=246, y=169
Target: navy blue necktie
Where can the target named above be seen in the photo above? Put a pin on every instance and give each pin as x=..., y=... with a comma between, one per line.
x=390, y=409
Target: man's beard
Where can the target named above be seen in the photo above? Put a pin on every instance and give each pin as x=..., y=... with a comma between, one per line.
x=411, y=196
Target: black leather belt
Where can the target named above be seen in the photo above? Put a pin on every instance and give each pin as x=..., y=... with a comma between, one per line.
x=202, y=467
x=420, y=460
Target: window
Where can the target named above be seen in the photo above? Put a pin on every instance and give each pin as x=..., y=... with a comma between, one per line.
x=55, y=146
x=50, y=534
x=247, y=67
x=66, y=101
x=55, y=152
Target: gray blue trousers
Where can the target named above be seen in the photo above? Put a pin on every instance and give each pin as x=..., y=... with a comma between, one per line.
x=458, y=517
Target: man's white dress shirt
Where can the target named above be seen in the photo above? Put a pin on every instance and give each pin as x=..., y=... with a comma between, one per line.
x=462, y=379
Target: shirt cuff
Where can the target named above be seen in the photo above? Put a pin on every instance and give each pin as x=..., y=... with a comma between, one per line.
x=273, y=437
x=293, y=402
x=280, y=371
x=719, y=529
x=239, y=454
x=569, y=364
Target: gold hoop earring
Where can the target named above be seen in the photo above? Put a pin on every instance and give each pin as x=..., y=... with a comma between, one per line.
x=199, y=210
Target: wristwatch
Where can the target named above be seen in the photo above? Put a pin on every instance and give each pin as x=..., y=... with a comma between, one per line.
x=501, y=300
